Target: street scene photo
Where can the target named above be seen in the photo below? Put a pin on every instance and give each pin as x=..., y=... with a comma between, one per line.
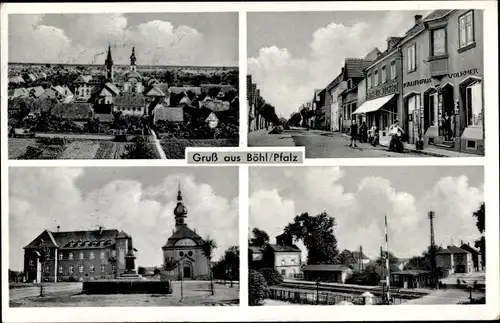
x=367, y=83
x=126, y=236
x=366, y=235
x=121, y=86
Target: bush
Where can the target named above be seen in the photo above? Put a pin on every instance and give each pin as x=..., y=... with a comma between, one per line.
x=141, y=149
x=272, y=276
x=127, y=287
x=257, y=288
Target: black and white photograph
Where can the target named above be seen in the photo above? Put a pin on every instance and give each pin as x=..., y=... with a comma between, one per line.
x=121, y=85
x=405, y=83
x=366, y=235
x=123, y=236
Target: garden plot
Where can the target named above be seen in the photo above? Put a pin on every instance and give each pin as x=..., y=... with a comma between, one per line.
x=80, y=149
x=175, y=148
x=17, y=146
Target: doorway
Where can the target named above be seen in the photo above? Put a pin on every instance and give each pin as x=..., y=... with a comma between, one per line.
x=448, y=111
x=431, y=104
x=186, y=271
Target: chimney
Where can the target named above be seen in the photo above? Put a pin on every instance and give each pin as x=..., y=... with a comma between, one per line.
x=418, y=18
x=100, y=229
x=461, y=242
x=58, y=228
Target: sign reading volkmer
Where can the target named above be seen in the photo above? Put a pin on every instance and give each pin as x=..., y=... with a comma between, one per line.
x=244, y=157
x=472, y=71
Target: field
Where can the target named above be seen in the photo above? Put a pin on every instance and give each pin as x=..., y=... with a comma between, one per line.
x=175, y=148
x=195, y=293
x=76, y=149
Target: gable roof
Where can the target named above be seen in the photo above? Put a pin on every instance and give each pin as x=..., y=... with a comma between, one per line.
x=104, y=92
x=154, y=91
x=455, y=249
x=354, y=67
x=133, y=74
x=83, y=79
x=112, y=88
x=75, y=239
x=18, y=93
x=182, y=232
x=72, y=110
x=417, y=28
x=174, y=114
x=130, y=99
x=184, y=89
x=326, y=267
x=216, y=105
x=16, y=79
x=37, y=91
x=282, y=248
x=470, y=249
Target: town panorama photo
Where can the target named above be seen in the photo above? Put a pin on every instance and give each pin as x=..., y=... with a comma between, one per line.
x=121, y=86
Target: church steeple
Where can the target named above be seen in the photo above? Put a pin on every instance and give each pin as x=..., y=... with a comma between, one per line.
x=109, y=65
x=133, y=59
x=180, y=210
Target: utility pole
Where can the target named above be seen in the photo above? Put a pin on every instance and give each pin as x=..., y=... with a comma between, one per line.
x=360, y=258
x=388, y=269
x=434, y=273
x=382, y=268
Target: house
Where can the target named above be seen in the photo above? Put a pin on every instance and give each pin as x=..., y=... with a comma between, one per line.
x=283, y=256
x=20, y=92
x=76, y=255
x=476, y=256
x=73, y=111
x=60, y=93
x=414, y=278
x=255, y=256
x=332, y=108
x=130, y=104
x=36, y=91
x=172, y=114
x=17, y=79
x=443, y=78
x=454, y=260
x=83, y=88
x=317, y=106
x=327, y=273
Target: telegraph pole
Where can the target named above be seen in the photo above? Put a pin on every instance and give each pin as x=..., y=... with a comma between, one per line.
x=382, y=268
x=388, y=268
x=361, y=257
x=431, y=216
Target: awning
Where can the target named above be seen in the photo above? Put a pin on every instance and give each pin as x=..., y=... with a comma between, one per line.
x=373, y=105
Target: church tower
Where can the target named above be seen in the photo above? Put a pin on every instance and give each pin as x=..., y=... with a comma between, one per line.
x=109, y=66
x=133, y=67
x=180, y=210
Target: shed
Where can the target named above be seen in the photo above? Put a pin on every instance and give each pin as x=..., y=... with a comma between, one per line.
x=327, y=273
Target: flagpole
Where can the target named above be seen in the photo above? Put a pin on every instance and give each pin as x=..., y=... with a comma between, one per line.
x=387, y=262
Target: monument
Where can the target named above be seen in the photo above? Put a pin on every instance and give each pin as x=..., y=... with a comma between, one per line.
x=130, y=273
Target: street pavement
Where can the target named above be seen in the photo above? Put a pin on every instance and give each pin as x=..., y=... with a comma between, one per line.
x=322, y=144
x=445, y=296
x=49, y=288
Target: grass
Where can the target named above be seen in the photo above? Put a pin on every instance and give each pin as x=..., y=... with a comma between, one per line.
x=196, y=293
x=17, y=146
x=176, y=148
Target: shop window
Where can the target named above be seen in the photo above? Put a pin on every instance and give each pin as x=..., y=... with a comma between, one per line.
x=369, y=80
x=384, y=74
x=61, y=256
x=412, y=58
x=70, y=269
x=466, y=29
x=474, y=104
x=438, y=42
x=393, y=69
x=375, y=78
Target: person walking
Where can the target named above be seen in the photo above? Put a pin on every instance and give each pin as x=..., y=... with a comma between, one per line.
x=363, y=132
x=396, y=133
x=372, y=134
x=353, y=133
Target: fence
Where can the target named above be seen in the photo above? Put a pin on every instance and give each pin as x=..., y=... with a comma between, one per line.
x=316, y=297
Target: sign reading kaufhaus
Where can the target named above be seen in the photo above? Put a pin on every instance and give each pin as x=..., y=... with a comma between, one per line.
x=383, y=90
x=472, y=71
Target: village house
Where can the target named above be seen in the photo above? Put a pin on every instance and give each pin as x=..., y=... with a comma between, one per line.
x=381, y=88
x=165, y=113
x=332, y=106
x=476, y=256
x=130, y=104
x=186, y=247
x=443, y=81
x=76, y=255
x=283, y=256
x=83, y=88
x=454, y=260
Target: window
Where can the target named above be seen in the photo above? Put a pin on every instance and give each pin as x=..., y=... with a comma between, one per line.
x=190, y=253
x=282, y=262
x=113, y=268
x=61, y=256
x=438, y=45
x=31, y=263
x=474, y=104
x=369, y=80
x=113, y=253
x=466, y=28
x=92, y=255
x=283, y=272
x=92, y=269
x=70, y=269
x=292, y=260
x=375, y=78
x=61, y=269
x=70, y=256
x=103, y=267
x=349, y=83
x=412, y=58
x=81, y=256
x=181, y=253
x=47, y=269
x=384, y=74
x=393, y=69
x=103, y=255
x=80, y=268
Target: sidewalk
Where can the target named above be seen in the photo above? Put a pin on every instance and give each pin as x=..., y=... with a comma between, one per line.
x=262, y=138
x=430, y=151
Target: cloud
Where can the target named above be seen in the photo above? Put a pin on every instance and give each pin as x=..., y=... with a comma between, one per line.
x=42, y=198
x=287, y=82
x=86, y=37
x=360, y=214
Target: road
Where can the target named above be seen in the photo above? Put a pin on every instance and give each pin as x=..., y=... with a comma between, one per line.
x=445, y=296
x=49, y=288
x=322, y=144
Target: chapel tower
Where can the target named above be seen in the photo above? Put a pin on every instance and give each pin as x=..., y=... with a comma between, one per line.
x=180, y=210
x=133, y=59
x=109, y=66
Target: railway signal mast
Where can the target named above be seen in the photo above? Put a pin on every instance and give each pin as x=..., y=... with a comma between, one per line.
x=434, y=273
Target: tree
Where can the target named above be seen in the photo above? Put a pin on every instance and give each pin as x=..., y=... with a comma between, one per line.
x=481, y=243
x=316, y=232
x=260, y=238
x=113, y=261
x=44, y=252
x=169, y=265
x=141, y=270
x=208, y=247
x=272, y=276
x=344, y=258
x=232, y=261
x=295, y=119
x=141, y=149
x=257, y=288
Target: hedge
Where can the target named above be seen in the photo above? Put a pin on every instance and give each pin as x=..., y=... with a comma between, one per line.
x=272, y=276
x=127, y=287
x=257, y=288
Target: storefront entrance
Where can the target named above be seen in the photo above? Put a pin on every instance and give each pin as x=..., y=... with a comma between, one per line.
x=447, y=129
x=412, y=113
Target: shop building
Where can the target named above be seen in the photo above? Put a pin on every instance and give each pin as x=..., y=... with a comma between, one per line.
x=443, y=90
x=382, y=88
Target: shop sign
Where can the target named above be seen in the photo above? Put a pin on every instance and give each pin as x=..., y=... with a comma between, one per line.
x=386, y=90
x=472, y=71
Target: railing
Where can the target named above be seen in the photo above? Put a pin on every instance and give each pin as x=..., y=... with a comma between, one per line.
x=316, y=297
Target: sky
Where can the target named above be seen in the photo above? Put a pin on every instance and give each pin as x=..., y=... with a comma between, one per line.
x=292, y=53
x=138, y=200
x=358, y=198
x=199, y=39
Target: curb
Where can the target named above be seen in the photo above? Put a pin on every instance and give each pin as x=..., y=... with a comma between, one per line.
x=421, y=152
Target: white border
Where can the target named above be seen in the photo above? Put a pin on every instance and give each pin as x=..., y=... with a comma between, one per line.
x=244, y=313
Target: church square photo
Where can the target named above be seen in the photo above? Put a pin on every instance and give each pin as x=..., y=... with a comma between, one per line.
x=125, y=236
x=121, y=85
